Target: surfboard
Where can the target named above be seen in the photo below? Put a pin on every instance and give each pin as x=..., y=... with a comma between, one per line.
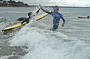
x=41, y=16
x=14, y=26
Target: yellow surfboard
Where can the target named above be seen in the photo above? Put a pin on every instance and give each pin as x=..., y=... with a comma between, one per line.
x=41, y=16
x=14, y=26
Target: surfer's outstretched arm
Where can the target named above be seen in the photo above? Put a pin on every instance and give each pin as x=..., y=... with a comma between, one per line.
x=37, y=11
x=45, y=10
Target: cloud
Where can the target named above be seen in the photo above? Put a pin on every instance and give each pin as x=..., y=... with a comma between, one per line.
x=71, y=2
x=59, y=2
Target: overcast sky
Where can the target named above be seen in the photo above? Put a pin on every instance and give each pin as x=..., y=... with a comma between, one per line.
x=59, y=2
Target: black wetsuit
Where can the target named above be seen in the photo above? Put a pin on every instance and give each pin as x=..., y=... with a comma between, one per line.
x=25, y=20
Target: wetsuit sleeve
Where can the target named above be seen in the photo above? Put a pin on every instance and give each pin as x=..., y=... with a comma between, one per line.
x=25, y=20
x=47, y=11
x=62, y=19
x=37, y=11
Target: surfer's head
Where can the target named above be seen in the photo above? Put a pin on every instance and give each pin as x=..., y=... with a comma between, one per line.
x=56, y=8
x=88, y=17
x=30, y=14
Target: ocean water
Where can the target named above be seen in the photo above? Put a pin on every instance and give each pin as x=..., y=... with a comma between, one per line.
x=36, y=41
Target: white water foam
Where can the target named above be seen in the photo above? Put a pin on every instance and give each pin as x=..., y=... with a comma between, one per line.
x=40, y=46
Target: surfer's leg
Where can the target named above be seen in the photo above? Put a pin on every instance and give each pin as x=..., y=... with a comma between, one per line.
x=55, y=27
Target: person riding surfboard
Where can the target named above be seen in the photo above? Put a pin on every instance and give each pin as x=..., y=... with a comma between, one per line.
x=56, y=17
x=24, y=21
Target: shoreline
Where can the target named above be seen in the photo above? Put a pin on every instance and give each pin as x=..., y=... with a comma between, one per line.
x=14, y=7
x=44, y=6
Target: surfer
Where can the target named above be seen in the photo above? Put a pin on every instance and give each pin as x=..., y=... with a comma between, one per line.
x=24, y=21
x=27, y=19
x=84, y=17
x=56, y=17
x=30, y=15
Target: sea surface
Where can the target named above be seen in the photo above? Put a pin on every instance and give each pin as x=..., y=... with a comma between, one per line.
x=36, y=41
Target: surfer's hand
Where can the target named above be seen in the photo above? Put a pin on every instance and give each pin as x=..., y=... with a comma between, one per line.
x=62, y=25
x=40, y=7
